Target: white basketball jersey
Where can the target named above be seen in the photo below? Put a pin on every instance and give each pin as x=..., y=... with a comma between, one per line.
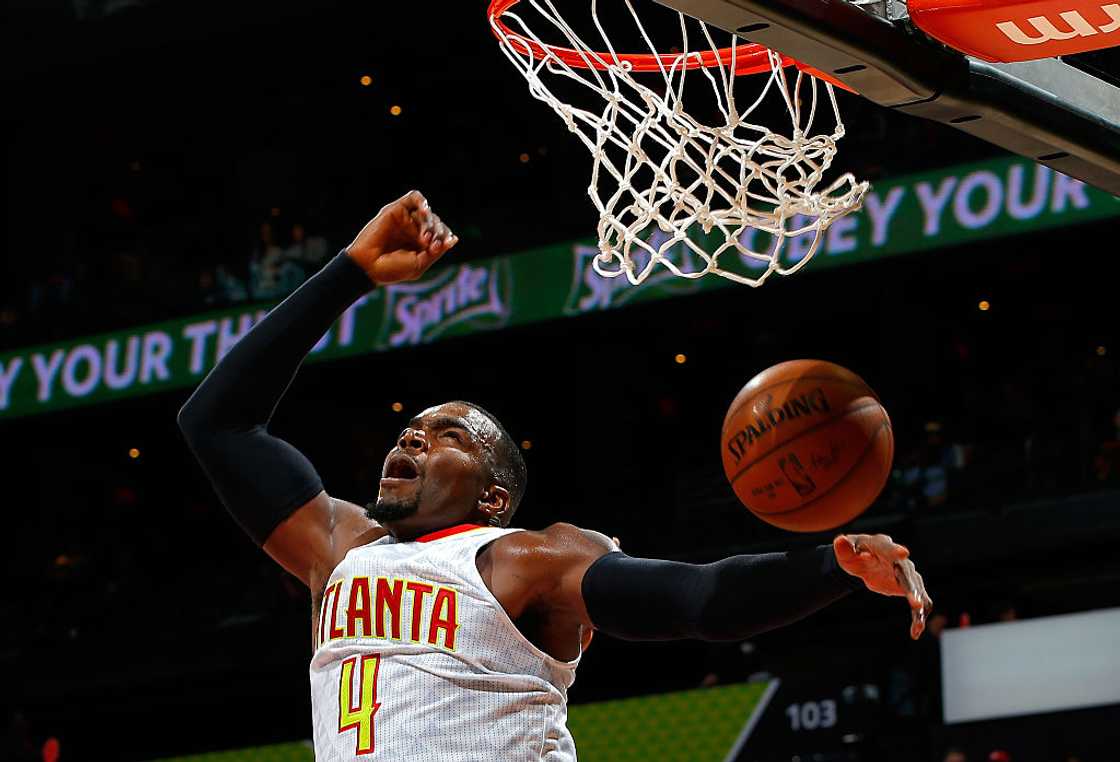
x=416, y=661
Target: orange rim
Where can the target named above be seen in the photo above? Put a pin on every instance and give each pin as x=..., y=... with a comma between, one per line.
x=750, y=58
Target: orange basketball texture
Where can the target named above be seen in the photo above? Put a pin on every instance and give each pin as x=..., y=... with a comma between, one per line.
x=806, y=445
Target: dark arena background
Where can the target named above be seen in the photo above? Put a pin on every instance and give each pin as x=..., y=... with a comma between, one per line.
x=174, y=169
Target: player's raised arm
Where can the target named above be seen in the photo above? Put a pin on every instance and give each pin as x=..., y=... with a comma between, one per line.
x=271, y=489
x=580, y=575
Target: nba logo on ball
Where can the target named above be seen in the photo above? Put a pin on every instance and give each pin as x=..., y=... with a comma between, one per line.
x=806, y=445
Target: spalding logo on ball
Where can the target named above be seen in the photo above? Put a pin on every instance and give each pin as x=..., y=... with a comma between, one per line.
x=807, y=446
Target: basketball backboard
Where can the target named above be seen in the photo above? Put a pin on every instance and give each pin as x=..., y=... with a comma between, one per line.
x=1064, y=113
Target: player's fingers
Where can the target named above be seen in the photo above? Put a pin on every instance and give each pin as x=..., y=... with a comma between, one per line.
x=437, y=231
x=917, y=623
x=413, y=200
x=429, y=256
x=923, y=594
x=906, y=571
x=902, y=584
x=437, y=248
x=927, y=604
x=845, y=548
x=917, y=614
x=902, y=551
x=442, y=238
x=867, y=547
x=422, y=224
x=916, y=589
x=439, y=227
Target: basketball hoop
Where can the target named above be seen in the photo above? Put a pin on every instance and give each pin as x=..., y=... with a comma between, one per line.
x=663, y=181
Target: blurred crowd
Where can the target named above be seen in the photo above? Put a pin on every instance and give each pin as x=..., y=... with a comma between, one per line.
x=70, y=293
x=941, y=468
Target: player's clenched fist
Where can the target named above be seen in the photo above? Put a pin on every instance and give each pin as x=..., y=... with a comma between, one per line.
x=402, y=241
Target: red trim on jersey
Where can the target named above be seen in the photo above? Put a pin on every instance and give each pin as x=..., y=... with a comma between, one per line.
x=441, y=533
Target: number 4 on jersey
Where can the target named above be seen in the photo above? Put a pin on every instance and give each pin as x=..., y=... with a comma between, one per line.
x=359, y=717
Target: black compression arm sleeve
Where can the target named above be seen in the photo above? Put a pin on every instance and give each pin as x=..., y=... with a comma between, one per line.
x=261, y=479
x=649, y=599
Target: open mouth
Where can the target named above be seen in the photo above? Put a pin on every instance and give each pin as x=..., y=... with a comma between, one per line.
x=401, y=467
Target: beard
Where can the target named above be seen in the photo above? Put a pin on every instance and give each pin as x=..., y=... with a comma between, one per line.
x=388, y=509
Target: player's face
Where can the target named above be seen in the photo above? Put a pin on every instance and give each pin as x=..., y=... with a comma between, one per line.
x=437, y=473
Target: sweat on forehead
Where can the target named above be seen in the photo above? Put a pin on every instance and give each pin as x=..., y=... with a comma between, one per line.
x=476, y=421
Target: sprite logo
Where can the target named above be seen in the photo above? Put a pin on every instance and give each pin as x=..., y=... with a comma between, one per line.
x=455, y=300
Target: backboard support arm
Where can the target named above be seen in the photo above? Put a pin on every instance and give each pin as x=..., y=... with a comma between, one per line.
x=1045, y=110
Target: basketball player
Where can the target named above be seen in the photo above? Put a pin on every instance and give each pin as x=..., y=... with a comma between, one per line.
x=440, y=633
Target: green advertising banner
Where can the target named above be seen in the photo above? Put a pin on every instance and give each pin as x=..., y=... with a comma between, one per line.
x=936, y=209
x=703, y=725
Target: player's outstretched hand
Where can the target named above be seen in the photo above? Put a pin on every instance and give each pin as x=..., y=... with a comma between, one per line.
x=402, y=241
x=885, y=567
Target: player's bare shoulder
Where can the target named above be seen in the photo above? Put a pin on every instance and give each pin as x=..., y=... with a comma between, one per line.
x=542, y=569
x=558, y=543
x=312, y=541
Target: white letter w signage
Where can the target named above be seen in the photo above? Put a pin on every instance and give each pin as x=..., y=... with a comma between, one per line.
x=1017, y=30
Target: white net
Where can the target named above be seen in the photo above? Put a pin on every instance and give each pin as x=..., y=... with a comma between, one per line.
x=666, y=183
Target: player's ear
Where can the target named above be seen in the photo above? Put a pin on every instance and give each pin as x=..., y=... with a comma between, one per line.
x=495, y=503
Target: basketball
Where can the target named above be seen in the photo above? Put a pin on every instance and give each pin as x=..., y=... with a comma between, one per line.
x=806, y=445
